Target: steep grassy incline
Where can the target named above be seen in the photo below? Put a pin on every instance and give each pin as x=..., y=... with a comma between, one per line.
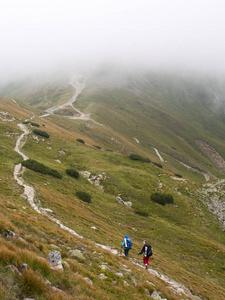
x=187, y=239
x=169, y=113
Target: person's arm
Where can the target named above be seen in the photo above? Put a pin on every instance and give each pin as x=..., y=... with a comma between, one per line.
x=141, y=251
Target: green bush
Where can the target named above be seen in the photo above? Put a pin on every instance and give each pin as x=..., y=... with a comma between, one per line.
x=178, y=175
x=141, y=212
x=41, y=133
x=72, y=173
x=40, y=168
x=138, y=157
x=157, y=164
x=158, y=198
x=80, y=140
x=168, y=198
x=162, y=199
x=84, y=196
x=32, y=123
x=98, y=147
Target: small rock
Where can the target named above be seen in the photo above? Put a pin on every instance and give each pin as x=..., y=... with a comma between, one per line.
x=120, y=274
x=155, y=296
x=76, y=253
x=13, y=269
x=9, y=233
x=102, y=276
x=88, y=280
x=22, y=268
x=104, y=267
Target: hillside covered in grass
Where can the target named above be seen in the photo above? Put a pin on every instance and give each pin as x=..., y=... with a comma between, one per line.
x=158, y=118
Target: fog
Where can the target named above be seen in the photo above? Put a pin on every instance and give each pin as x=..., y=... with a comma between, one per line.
x=46, y=35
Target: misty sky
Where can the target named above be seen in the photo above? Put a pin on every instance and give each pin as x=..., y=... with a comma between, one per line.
x=38, y=34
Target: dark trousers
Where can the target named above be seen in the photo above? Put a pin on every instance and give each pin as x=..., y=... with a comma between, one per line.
x=126, y=252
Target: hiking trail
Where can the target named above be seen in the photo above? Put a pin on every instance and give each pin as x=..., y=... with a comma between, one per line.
x=29, y=193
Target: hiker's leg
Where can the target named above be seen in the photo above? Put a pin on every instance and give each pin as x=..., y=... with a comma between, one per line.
x=147, y=260
x=126, y=252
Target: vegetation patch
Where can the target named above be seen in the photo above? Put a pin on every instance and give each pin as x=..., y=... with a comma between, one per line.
x=138, y=157
x=157, y=164
x=40, y=168
x=41, y=133
x=84, y=196
x=162, y=199
x=80, y=141
x=72, y=173
x=141, y=212
x=178, y=175
x=32, y=123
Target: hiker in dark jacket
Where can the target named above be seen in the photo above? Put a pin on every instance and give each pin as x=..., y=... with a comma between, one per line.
x=126, y=244
x=147, y=250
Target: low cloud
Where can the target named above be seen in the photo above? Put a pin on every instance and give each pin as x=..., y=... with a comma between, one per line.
x=55, y=34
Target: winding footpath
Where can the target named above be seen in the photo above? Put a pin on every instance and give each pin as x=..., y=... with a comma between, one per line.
x=29, y=194
x=78, y=82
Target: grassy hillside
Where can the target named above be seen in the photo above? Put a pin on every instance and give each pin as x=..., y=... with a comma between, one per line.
x=188, y=241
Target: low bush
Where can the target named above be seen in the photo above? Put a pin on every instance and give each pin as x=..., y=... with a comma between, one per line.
x=141, y=212
x=168, y=198
x=157, y=164
x=72, y=173
x=178, y=175
x=32, y=123
x=158, y=198
x=41, y=133
x=162, y=199
x=80, y=141
x=138, y=157
x=84, y=196
x=40, y=168
x=98, y=147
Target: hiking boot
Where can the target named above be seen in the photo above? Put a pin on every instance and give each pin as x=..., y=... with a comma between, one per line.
x=146, y=267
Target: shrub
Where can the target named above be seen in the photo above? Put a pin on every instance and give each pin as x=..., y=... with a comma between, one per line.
x=32, y=123
x=168, y=198
x=141, y=212
x=158, y=198
x=72, y=173
x=138, y=157
x=80, y=140
x=41, y=133
x=178, y=175
x=162, y=198
x=157, y=164
x=40, y=168
x=98, y=147
x=84, y=196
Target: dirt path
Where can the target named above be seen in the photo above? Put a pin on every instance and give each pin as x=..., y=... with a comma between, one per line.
x=78, y=82
x=159, y=156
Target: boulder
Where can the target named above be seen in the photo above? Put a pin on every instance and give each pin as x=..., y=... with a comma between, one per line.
x=55, y=259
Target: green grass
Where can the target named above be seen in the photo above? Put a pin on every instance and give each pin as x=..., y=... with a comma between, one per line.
x=187, y=240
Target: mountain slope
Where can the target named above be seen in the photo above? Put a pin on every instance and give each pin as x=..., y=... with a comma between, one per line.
x=187, y=239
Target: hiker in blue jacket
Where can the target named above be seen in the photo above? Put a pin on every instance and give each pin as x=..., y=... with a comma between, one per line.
x=126, y=244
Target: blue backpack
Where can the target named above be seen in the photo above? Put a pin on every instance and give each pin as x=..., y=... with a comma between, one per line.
x=129, y=243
